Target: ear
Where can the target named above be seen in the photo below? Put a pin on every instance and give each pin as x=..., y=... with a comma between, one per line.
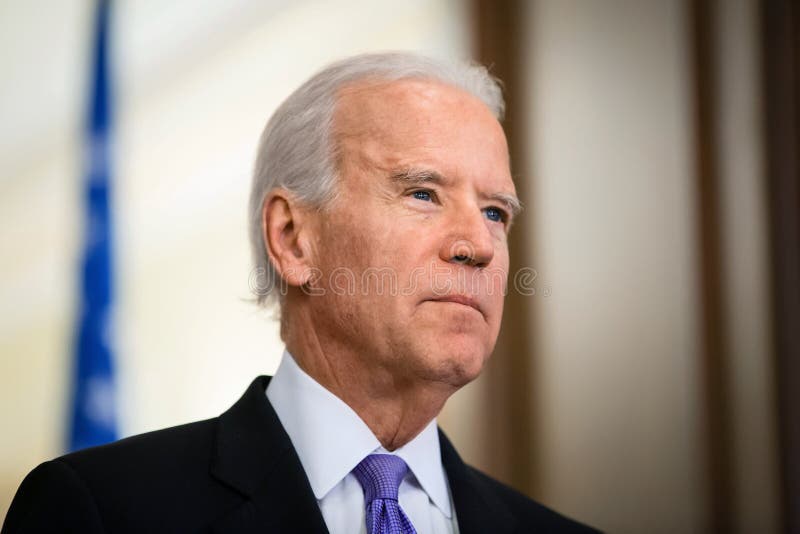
x=286, y=228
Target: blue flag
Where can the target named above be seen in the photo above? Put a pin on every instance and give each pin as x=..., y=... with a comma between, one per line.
x=93, y=417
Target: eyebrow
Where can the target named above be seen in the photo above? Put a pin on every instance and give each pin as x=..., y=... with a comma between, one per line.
x=418, y=177
x=414, y=177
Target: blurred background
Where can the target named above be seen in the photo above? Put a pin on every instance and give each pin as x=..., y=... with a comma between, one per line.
x=650, y=384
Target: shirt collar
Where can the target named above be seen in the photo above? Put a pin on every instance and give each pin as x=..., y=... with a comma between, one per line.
x=312, y=415
x=424, y=459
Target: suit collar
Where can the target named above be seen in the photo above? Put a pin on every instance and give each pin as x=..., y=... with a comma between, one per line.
x=478, y=509
x=255, y=457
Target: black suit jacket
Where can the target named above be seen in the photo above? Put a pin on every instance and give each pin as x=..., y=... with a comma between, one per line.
x=237, y=473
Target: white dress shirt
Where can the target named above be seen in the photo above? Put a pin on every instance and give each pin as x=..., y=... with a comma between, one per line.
x=331, y=439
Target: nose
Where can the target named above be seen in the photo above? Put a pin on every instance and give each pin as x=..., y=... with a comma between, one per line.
x=469, y=242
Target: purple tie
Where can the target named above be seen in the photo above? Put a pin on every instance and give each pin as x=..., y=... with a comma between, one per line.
x=380, y=476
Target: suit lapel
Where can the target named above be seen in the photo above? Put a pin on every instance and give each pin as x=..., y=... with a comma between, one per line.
x=478, y=510
x=255, y=457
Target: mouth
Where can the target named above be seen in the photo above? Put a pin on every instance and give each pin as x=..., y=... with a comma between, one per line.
x=463, y=300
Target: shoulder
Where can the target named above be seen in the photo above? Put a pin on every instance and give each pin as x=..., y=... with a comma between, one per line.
x=179, y=479
x=490, y=505
x=160, y=451
x=102, y=488
x=53, y=487
x=527, y=512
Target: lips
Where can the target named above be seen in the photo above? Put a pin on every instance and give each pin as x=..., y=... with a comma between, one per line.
x=464, y=300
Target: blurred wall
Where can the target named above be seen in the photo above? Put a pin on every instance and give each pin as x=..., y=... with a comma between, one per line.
x=632, y=411
x=632, y=152
x=616, y=384
x=739, y=127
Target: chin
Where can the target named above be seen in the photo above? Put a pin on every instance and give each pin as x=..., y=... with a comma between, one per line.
x=459, y=363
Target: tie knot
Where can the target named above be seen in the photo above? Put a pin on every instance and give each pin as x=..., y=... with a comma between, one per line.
x=380, y=476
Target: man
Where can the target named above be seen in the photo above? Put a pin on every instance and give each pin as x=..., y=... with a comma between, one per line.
x=380, y=210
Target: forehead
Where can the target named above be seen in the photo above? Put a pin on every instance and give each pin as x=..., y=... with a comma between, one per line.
x=415, y=122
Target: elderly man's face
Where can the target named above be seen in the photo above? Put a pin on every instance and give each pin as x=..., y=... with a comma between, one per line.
x=414, y=251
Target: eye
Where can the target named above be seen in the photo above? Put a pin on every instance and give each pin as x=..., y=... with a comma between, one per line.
x=495, y=214
x=423, y=194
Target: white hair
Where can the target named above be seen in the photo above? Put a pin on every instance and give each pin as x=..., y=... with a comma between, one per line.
x=296, y=152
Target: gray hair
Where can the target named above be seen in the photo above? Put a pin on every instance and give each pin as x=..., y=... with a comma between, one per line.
x=296, y=153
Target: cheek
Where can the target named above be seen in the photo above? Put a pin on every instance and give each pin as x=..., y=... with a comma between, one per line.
x=498, y=285
x=345, y=242
x=500, y=263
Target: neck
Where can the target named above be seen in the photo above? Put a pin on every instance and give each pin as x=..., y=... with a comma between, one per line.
x=396, y=409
